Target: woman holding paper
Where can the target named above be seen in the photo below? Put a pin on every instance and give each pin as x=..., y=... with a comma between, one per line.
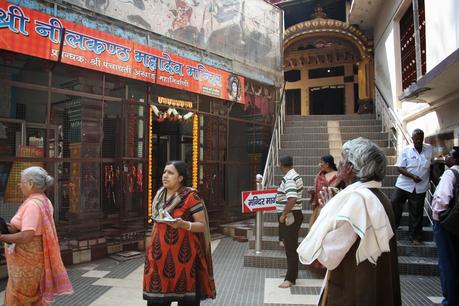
x=178, y=263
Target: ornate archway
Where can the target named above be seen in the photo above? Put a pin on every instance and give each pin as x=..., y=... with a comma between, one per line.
x=321, y=43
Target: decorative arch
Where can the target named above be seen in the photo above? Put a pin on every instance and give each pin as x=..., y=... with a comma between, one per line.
x=322, y=42
x=321, y=27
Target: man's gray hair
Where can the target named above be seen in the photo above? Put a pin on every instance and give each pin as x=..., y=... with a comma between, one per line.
x=367, y=158
x=38, y=177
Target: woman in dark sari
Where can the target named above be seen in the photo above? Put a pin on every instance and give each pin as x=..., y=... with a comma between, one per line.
x=178, y=264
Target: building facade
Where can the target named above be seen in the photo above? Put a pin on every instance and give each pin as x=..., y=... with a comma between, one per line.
x=416, y=59
x=101, y=97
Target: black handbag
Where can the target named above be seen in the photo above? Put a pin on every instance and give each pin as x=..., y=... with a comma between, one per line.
x=449, y=219
x=3, y=227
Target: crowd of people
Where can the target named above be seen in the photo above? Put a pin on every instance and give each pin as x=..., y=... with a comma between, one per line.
x=353, y=223
x=351, y=231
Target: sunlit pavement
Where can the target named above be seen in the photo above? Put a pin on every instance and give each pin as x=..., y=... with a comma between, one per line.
x=109, y=282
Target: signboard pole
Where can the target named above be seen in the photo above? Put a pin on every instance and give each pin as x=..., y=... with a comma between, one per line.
x=258, y=222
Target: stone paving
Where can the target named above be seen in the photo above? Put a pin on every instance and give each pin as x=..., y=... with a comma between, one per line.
x=109, y=282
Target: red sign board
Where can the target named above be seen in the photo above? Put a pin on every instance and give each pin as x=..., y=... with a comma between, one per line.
x=37, y=34
x=259, y=200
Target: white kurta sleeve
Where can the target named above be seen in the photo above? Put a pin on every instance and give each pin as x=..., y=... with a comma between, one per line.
x=336, y=244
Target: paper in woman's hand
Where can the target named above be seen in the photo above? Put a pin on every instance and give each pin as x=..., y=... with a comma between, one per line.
x=166, y=217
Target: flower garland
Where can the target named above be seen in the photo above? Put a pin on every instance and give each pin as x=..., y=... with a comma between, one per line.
x=171, y=114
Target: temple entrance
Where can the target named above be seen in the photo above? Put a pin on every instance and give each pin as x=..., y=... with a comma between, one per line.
x=293, y=102
x=170, y=141
x=327, y=100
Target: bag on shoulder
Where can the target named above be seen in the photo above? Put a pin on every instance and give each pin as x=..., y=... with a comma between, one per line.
x=449, y=219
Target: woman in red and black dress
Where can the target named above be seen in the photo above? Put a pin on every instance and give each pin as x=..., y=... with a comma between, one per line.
x=178, y=264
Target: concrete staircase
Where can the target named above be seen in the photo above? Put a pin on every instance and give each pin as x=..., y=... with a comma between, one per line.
x=306, y=139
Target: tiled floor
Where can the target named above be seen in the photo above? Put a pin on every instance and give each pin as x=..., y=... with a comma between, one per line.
x=108, y=282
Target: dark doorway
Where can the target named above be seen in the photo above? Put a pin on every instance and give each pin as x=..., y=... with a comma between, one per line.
x=293, y=101
x=327, y=100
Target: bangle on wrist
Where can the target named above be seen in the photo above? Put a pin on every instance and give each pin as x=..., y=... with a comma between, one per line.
x=189, y=226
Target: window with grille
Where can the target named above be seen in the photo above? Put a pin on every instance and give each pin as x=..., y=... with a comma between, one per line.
x=407, y=45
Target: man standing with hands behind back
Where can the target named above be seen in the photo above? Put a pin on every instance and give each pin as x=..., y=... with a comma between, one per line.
x=413, y=164
x=288, y=207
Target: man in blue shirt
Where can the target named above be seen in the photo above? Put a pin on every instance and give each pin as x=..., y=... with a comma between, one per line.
x=413, y=164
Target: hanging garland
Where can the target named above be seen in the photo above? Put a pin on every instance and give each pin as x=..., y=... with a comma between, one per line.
x=172, y=115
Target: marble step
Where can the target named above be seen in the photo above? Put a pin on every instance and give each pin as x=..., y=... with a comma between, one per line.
x=271, y=216
x=331, y=117
x=427, y=266
x=290, y=128
x=298, y=153
x=308, y=180
x=404, y=248
x=272, y=229
x=318, y=123
x=313, y=169
x=298, y=142
x=313, y=159
x=343, y=136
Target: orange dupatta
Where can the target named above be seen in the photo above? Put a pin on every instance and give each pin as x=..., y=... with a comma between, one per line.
x=55, y=280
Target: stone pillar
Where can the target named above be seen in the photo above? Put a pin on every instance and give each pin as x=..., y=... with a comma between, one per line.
x=366, y=90
x=348, y=91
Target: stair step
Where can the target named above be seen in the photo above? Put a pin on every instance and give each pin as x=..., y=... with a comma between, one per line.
x=318, y=152
x=292, y=128
x=271, y=216
x=344, y=136
x=427, y=266
x=313, y=159
x=331, y=117
x=427, y=233
x=426, y=249
x=276, y=259
x=319, y=123
x=296, y=142
x=389, y=180
x=404, y=248
x=272, y=229
x=313, y=169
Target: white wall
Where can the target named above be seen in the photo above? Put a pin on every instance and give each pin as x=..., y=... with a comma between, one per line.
x=442, y=38
x=442, y=30
x=387, y=52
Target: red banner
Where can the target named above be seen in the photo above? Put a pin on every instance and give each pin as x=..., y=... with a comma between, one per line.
x=37, y=34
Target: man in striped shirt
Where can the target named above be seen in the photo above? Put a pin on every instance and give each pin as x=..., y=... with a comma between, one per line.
x=288, y=206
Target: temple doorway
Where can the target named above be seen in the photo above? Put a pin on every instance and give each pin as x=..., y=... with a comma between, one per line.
x=327, y=100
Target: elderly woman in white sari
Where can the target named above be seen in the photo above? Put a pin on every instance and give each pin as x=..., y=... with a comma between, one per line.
x=353, y=236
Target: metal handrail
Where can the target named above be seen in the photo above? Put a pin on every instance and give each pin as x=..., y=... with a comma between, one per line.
x=392, y=124
x=275, y=145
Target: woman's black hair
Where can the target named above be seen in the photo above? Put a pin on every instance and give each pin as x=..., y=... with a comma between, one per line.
x=182, y=169
x=328, y=159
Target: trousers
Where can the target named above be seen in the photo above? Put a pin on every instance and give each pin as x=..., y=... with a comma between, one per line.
x=289, y=235
x=415, y=209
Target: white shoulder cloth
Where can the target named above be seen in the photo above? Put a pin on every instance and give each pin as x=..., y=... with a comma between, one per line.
x=357, y=205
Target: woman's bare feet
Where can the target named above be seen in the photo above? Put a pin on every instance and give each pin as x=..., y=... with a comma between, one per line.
x=286, y=284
